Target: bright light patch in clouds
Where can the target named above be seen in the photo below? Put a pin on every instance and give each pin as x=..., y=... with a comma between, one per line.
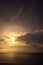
x=21, y=24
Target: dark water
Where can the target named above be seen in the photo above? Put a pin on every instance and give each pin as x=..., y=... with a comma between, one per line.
x=21, y=58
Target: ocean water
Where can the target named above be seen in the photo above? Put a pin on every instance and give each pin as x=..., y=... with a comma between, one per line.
x=21, y=58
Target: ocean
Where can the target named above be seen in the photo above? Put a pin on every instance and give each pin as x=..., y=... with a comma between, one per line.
x=19, y=58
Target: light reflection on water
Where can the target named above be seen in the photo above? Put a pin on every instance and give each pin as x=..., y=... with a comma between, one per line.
x=6, y=57
x=13, y=57
x=20, y=57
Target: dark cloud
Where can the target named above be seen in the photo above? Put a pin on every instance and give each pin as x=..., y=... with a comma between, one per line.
x=26, y=14
x=2, y=40
x=32, y=38
x=38, y=47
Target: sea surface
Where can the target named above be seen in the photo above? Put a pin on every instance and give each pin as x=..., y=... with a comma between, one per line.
x=21, y=58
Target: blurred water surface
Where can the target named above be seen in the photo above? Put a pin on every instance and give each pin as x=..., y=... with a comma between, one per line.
x=13, y=57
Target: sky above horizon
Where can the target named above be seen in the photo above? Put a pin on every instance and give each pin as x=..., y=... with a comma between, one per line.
x=22, y=21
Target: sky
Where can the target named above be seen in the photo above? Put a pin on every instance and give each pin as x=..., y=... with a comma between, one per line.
x=24, y=21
